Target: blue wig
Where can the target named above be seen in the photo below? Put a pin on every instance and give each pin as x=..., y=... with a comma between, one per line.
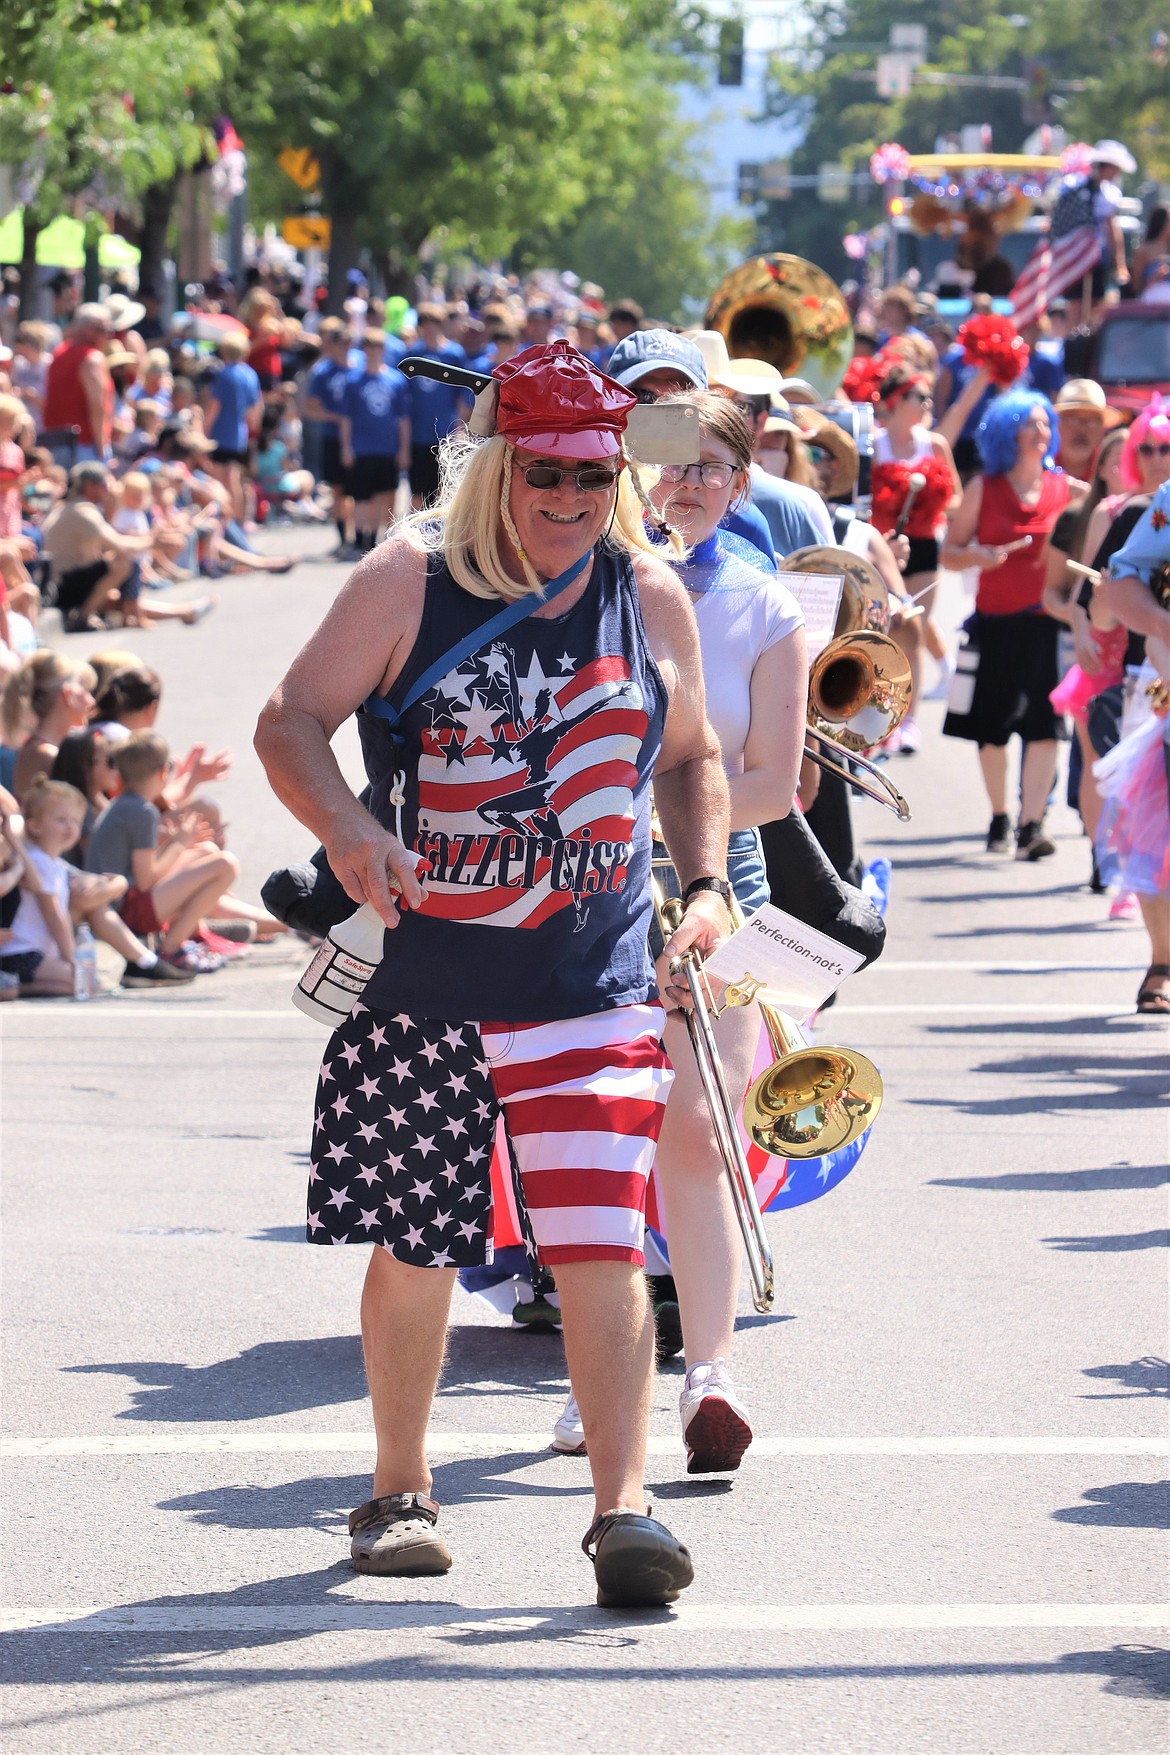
x=998, y=437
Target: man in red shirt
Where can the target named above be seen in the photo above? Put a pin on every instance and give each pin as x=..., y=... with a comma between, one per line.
x=79, y=391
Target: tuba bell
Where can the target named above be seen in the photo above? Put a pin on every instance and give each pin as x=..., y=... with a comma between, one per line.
x=788, y=312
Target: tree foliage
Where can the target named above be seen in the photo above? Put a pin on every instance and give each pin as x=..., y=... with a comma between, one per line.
x=500, y=121
x=828, y=89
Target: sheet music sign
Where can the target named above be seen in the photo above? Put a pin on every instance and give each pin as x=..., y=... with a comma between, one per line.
x=819, y=596
x=798, y=965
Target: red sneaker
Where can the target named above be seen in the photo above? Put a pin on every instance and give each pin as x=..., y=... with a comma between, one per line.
x=220, y=947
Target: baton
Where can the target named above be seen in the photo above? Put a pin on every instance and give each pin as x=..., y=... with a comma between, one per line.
x=915, y=484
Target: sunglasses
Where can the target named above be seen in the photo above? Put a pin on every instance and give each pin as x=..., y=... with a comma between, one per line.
x=712, y=475
x=590, y=479
x=818, y=454
x=1148, y=450
x=918, y=396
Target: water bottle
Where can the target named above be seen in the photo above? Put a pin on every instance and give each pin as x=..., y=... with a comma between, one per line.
x=85, y=981
x=336, y=978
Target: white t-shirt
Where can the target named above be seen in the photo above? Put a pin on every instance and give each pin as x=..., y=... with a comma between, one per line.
x=129, y=521
x=29, y=930
x=742, y=612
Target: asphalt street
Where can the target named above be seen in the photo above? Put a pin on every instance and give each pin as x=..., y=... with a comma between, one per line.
x=950, y=1534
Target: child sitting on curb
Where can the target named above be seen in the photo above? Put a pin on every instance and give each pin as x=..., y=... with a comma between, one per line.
x=174, y=877
x=54, y=895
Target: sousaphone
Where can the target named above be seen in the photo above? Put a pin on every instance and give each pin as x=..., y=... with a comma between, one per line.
x=787, y=311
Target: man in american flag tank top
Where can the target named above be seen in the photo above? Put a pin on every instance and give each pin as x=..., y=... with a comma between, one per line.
x=507, y=850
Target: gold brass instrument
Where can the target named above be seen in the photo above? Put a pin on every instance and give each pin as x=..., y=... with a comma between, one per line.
x=812, y=1100
x=724, y=1115
x=788, y=312
x=859, y=686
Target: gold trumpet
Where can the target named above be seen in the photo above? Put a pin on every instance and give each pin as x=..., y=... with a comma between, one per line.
x=859, y=686
x=812, y=1100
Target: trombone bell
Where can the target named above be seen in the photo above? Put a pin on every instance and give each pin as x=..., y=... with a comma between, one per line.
x=813, y=1101
x=858, y=691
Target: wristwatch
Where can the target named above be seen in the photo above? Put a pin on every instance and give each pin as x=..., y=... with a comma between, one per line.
x=720, y=886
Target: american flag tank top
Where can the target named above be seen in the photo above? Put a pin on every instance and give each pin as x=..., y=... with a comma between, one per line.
x=528, y=774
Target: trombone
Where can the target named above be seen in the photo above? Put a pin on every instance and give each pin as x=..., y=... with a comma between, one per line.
x=811, y=1100
x=859, y=686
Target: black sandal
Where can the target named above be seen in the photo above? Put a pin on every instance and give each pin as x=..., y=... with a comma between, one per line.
x=636, y=1560
x=1151, y=1000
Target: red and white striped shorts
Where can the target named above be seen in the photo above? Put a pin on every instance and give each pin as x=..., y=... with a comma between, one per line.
x=406, y=1119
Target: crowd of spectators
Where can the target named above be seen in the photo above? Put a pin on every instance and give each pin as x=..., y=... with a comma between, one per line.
x=138, y=455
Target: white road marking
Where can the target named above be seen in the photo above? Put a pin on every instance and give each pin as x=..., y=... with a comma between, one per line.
x=489, y=1444
x=1041, y=965
x=342, y=1616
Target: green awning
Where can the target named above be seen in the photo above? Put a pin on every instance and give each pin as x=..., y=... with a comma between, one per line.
x=62, y=244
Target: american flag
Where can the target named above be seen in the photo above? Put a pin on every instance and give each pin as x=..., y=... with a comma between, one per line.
x=526, y=787
x=1070, y=250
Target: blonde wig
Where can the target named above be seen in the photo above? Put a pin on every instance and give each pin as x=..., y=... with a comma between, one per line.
x=473, y=510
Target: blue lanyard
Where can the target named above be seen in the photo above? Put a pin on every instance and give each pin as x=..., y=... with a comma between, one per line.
x=474, y=642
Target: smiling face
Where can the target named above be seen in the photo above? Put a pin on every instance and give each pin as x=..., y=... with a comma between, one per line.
x=556, y=526
x=1035, y=434
x=690, y=506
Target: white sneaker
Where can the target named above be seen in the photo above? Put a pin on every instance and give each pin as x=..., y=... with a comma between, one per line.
x=715, y=1424
x=569, y=1431
x=941, y=687
x=911, y=741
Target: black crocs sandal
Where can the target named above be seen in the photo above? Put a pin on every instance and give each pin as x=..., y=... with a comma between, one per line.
x=394, y=1537
x=636, y=1560
x=1152, y=1001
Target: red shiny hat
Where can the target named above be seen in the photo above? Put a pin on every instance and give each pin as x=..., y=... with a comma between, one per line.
x=552, y=400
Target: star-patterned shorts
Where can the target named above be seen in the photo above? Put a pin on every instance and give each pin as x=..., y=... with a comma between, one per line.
x=406, y=1123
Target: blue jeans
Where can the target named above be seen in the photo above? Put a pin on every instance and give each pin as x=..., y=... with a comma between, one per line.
x=745, y=870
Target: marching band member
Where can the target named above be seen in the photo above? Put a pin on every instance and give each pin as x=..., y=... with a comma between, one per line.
x=756, y=675
x=510, y=812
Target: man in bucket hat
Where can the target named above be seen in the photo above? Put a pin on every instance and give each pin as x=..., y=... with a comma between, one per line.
x=506, y=849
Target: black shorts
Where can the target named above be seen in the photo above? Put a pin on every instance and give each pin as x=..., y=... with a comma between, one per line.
x=333, y=471
x=221, y=454
x=22, y=964
x=75, y=586
x=1017, y=673
x=424, y=471
x=923, y=555
x=373, y=475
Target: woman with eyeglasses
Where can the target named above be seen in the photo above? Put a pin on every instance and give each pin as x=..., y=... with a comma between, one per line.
x=755, y=669
x=1002, y=529
x=906, y=447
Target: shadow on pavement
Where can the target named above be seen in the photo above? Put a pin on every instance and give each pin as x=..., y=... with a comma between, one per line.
x=283, y=1377
x=1136, y=1240
x=274, y=1377
x=1115, y=1025
x=483, y=1359
x=1129, y=1505
x=1110, y=1176
x=1141, y=1092
x=598, y=1646
x=322, y=1502
x=1148, y=1376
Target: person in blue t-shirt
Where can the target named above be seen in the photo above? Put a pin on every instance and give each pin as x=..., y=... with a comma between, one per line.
x=324, y=396
x=375, y=438
x=435, y=409
x=231, y=415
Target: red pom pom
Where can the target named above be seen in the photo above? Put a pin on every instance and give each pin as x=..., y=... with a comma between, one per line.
x=862, y=380
x=891, y=485
x=995, y=344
